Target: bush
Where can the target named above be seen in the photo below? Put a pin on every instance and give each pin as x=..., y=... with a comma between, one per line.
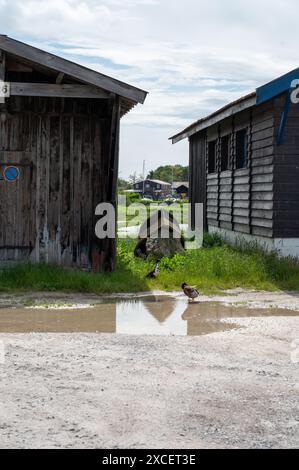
x=146, y=202
x=172, y=264
x=132, y=197
x=212, y=239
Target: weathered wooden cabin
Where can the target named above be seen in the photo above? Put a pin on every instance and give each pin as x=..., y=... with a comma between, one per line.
x=59, y=150
x=244, y=167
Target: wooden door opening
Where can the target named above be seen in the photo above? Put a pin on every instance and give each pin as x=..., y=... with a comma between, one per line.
x=17, y=220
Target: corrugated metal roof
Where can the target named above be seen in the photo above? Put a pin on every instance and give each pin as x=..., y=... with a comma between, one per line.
x=159, y=182
x=154, y=181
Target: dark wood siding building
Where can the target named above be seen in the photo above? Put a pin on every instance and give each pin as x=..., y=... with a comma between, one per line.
x=155, y=189
x=181, y=188
x=59, y=131
x=244, y=167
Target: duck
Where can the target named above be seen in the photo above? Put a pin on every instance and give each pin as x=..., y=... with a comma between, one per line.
x=154, y=274
x=190, y=291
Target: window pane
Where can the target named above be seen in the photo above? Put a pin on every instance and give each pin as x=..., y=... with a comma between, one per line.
x=241, y=149
x=225, y=153
x=212, y=157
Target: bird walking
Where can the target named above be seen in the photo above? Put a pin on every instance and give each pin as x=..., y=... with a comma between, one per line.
x=154, y=274
x=190, y=291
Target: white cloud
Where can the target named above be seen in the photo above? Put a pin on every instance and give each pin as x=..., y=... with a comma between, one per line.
x=191, y=56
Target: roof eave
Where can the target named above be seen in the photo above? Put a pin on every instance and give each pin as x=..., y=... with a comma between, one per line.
x=227, y=111
x=79, y=72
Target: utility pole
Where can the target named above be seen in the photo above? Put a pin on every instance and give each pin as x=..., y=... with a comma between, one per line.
x=172, y=181
x=143, y=178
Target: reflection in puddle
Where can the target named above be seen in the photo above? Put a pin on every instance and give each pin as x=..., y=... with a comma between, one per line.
x=147, y=316
x=156, y=318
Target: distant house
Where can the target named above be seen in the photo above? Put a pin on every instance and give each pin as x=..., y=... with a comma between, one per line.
x=155, y=189
x=181, y=188
x=244, y=166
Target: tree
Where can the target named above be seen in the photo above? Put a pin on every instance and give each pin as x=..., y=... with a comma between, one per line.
x=170, y=173
x=123, y=184
x=134, y=178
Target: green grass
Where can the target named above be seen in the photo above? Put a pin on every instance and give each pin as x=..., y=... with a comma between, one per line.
x=179, y=211
x=215, y=267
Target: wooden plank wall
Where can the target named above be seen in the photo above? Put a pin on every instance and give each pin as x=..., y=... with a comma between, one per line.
x=197, y=173
x=241, y=199
x=286, y=173
x=67, y=141
x=17, y=207
x=261, y=168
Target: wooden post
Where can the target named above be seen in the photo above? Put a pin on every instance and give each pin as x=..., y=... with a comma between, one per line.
x=233, y=166
x=191, y=188
x=104, y=251
x=249, y=156
x=2, y=66
x=2, y=75
x=218, y=169
x=206, y=157
x=110, y=265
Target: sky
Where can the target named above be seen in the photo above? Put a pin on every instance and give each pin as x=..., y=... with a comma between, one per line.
x=192, y=56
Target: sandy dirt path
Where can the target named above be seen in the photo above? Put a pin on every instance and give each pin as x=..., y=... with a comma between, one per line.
x=236, y=389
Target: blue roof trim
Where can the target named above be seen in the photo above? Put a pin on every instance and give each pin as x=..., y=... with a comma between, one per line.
x=276, y=87
x=283, y=120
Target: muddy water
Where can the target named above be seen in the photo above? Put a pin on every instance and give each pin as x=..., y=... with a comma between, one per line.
x=147, y=316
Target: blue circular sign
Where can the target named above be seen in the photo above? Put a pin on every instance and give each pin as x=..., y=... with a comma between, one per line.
x=11, y=174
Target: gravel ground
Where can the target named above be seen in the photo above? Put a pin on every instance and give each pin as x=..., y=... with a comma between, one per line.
x=236, y=389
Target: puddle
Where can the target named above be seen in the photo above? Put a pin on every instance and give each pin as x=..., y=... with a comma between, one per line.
x=146, y=316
